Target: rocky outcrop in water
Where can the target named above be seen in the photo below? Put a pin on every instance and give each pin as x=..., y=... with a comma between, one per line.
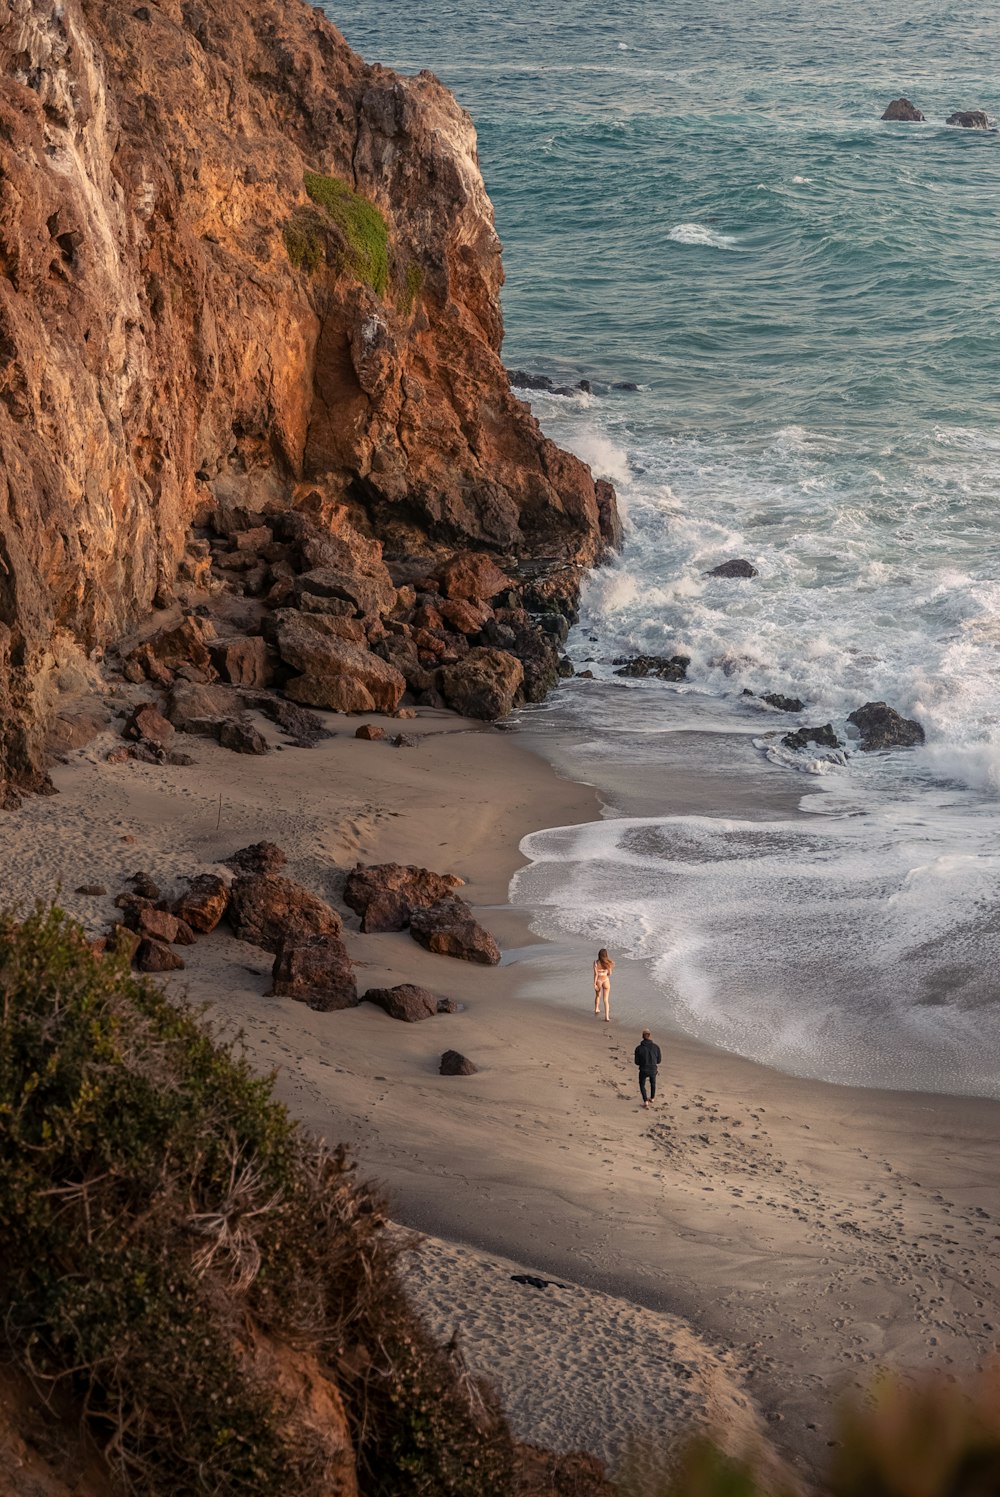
x=904, y=111
x=969, y=119
x=882, y=727
x=739, y=567
x=241, y=271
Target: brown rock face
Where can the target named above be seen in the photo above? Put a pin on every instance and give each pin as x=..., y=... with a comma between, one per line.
x=243, y=662
x=316, y=970
x=485, y=684
x=204, y=903
x=184, y=327
x=154, y=956
x=269, y=911
x=450, y=929
x=902, y=109
x=259, y=857
x=386, y=894
x=336, y=673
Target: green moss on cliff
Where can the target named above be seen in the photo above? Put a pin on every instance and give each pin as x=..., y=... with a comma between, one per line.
x=305, y=235
x=364, y=230
x=160, y=1211
x=412, y=285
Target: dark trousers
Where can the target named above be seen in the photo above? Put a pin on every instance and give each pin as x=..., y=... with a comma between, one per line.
x=643, y=1078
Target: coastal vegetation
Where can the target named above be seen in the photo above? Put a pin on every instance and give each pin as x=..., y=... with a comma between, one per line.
x=363, y=228
x=193, y=1266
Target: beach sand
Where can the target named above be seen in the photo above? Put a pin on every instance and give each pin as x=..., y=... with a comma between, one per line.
x=786, y=1238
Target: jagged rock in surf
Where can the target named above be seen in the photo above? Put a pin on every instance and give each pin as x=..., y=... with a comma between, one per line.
x=969, y=119
x=664, y=668
x=903, y=111
x=823, y=737
x=882, y=727
x=739, y=567
x=782, y=703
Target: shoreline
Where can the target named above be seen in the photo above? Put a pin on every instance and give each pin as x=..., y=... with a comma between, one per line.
x=810, y=1231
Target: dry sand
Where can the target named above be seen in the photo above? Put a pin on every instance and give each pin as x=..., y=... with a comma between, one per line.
x=787, y=1237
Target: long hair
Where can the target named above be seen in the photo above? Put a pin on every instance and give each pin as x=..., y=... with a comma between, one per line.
x=604, y=959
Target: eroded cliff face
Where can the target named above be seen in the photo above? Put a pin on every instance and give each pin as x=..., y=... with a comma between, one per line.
x=184, y=327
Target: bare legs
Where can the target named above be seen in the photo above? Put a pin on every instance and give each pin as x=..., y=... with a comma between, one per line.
x=602, y=994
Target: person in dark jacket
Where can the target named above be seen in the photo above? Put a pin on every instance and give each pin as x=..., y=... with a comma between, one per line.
x=647, y=1058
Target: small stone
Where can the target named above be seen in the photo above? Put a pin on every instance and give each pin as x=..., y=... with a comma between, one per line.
x=405, y=740
x=91, y=889
x=144, y=886
x=179, y=760
x=453, y=1063
x=370, y=733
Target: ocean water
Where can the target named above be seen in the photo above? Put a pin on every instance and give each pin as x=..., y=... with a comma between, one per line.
x=700, y=199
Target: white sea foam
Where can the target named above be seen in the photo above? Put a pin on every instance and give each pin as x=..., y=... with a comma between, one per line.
x=839, y=946
x=603, y=455
x=701, y=234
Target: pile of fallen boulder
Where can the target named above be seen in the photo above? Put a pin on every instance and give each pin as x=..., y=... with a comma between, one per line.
x=289, y=610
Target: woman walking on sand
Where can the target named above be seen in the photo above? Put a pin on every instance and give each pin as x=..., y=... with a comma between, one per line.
x=603, y=968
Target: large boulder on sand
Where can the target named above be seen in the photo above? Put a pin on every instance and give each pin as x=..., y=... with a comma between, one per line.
x=449, y=928
x=407, y=1002
x=195, y=708
x=484, y=684
x=902, y=110
x=268, y=910
x=338, y=674
x=317, y=970
x=882, y=727
x=204, y=903
x=259, y=857
x=386, y=894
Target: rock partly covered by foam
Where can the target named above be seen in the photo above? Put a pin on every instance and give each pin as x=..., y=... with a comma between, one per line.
x=882, y=727
x=822, y=737
x=662, y=667
x=904, y=111
x=188, y=327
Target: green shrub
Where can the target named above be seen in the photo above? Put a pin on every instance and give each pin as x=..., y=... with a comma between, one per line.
x=304, y=236
x=158, y=1208
x=362, y=226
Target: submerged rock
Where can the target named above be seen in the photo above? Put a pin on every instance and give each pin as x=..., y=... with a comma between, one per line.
x=902, y=110
x=782, y=703
x=663, y=668
x=882, y=727
x=823, y=737
x=738, y=567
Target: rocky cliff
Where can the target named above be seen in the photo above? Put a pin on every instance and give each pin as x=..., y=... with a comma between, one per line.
x=243, y=273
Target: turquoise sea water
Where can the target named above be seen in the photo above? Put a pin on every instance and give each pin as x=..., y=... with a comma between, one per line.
x=702, y=199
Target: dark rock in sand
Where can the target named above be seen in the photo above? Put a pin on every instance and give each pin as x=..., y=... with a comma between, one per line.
x=823, y=737
x=882, y=727
x=405, y=740
x=303, y=727
x=180, y=761
x=146, y=753
x=664, y=669
x=370, y=733
x=124, y=942
x=91, y=889
x=198, y=709
x=204, y=902
x=738, y=567
x=270, y=911
x=969, y=119
x=903, y=110
x=317, y=970
x=455, y=1064
x=144, y=886
x=259, y=857
x=154, y=956
x=449, y=928
x=783, y=704
x=241, y=737
x=405, y=1001
x=156, y=925
x=386, y=894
